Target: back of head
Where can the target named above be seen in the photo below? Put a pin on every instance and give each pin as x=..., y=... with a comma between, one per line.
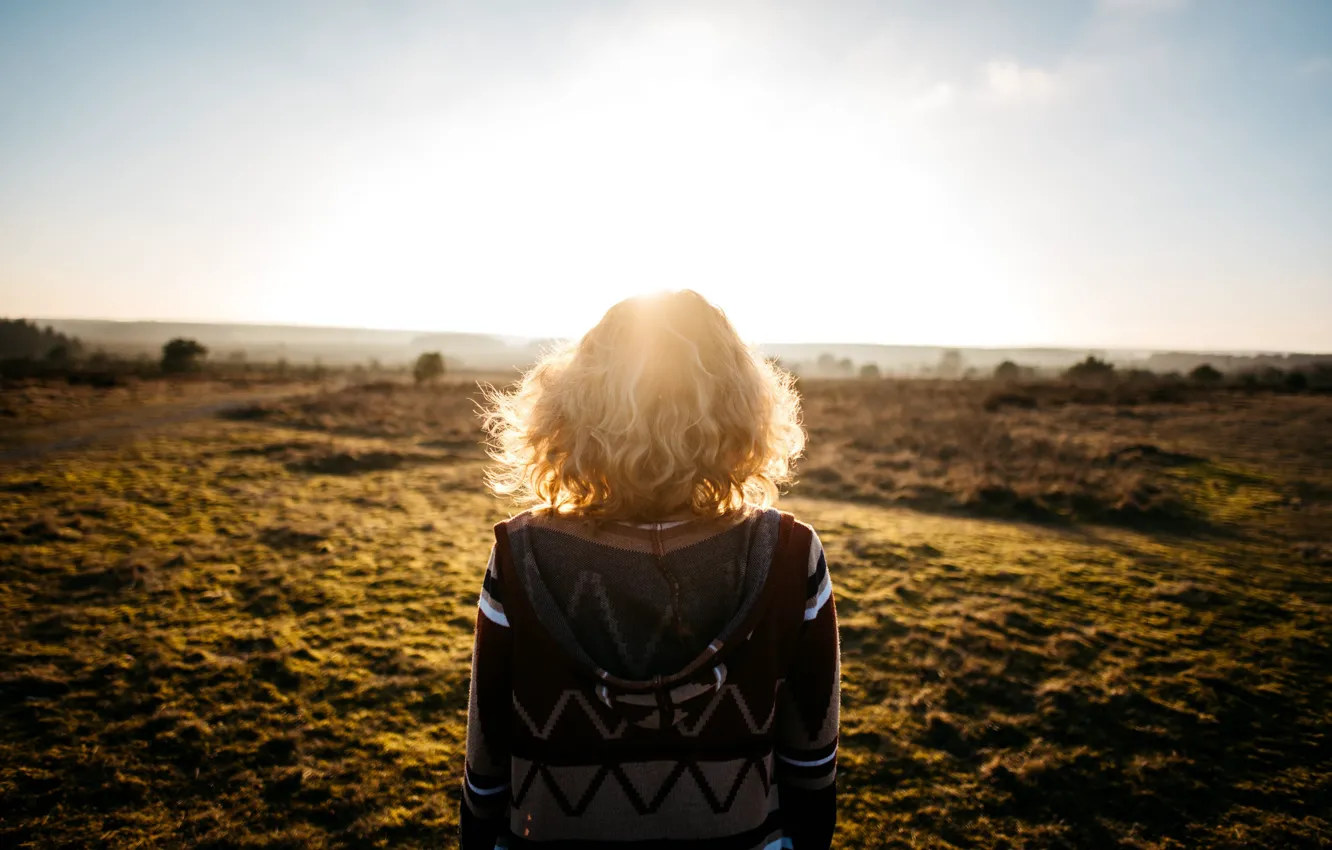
x=659, y=411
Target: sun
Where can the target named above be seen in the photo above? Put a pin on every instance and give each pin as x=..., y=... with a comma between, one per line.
x=649, y=167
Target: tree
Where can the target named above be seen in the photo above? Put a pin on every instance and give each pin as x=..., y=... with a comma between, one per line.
x=870, y=372
x=1007, y=371
x=60, y=355
x=429, y=366
x=182, y=355
x=950, y=364
x=1206, y=374
x=20, y=338
x=1091, y=369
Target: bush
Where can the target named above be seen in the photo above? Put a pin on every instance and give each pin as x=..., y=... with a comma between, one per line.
x=1321, y=377
x=1206, y=374
x=182, y=355
x=97, y=379
x=1020, y=400
x=1139, y=376
x=1007, y=371
x=870, y=372
x=429, y=366
x=1297, y=381
x=1091, y=369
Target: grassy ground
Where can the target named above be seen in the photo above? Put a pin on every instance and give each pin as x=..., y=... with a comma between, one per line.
x=36, y=415
x=254, y=632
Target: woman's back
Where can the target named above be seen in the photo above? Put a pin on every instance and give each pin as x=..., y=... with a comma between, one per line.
x=642, y=599
x=732, y=748
x=656, y=660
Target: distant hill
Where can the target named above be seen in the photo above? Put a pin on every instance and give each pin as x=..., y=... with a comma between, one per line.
x=334, y=346
x=917, y=359
x=297, y=343
x=1187, y=361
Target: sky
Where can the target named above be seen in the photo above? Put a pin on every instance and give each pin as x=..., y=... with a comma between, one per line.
x=1088, y=173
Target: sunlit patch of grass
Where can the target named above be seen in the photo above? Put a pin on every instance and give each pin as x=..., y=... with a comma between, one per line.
x=281, y=656
x=1227, y=493
x=213, y=639
x=1033, y=682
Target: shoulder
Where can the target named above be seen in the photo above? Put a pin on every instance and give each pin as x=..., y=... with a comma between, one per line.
x=807, y=540
x=518, y=521
x=818, y=580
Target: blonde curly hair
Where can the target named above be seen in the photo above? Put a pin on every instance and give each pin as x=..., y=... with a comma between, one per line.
x=657, y=412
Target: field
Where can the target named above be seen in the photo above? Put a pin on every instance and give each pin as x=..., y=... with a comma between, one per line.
x=1066, y=623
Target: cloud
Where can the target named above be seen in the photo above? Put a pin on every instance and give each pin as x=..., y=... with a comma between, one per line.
x=1008, y=83
x=936, y=98
x=1316, y=66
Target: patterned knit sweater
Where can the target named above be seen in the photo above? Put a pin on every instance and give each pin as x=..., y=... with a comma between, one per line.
x=674, y=685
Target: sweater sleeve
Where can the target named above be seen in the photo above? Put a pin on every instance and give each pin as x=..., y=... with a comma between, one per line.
x=485, y=794
x=807, y=718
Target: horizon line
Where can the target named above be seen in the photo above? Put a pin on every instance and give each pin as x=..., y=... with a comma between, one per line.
x=558, y=338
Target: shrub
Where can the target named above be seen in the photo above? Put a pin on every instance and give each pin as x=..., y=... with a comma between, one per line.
x=1271, y=376
x=870, y=372
x=97, y=379
x=429, y=366
x=1020, y=400
x=1007, y=371
x=182, y=355
x=1206, y=374
x=1297, y=381
x=1322, y=376
x=1091, y=369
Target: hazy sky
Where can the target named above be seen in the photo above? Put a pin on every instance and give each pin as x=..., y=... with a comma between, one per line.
x=1129, y=173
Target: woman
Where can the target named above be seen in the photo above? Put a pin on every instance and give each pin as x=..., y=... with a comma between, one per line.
x=656, y=659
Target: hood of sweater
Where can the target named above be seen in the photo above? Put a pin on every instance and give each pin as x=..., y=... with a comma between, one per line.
x=642, y=600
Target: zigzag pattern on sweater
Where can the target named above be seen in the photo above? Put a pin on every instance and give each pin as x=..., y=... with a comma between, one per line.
x=542, y=731
x=733, y=691
x=633, y=661
x=720, y=804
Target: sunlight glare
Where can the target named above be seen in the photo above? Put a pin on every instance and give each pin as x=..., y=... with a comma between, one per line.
x=657, y=165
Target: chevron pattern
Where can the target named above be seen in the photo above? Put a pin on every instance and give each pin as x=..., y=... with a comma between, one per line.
x=755, y=727
x=573, y=697
x=543, y=732
x=643, y=804
x=590, y=584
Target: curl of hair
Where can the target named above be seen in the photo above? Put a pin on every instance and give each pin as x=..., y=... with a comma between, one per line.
x=658, y=411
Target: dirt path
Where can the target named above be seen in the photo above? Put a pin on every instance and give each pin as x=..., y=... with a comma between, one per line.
x=36, y=442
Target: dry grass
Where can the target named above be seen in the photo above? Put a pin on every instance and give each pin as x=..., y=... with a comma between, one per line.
x=38, y=402
x=1180, y=467
x=34, y=413
x=255, y=633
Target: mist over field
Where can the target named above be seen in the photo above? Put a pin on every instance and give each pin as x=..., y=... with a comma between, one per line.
x=488, y=351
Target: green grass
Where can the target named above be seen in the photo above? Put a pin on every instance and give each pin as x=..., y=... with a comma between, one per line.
x=257, y=634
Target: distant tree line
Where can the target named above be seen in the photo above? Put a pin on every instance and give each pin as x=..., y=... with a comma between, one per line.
x=30, y=352
x=23, y=339
x=1096, y=372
